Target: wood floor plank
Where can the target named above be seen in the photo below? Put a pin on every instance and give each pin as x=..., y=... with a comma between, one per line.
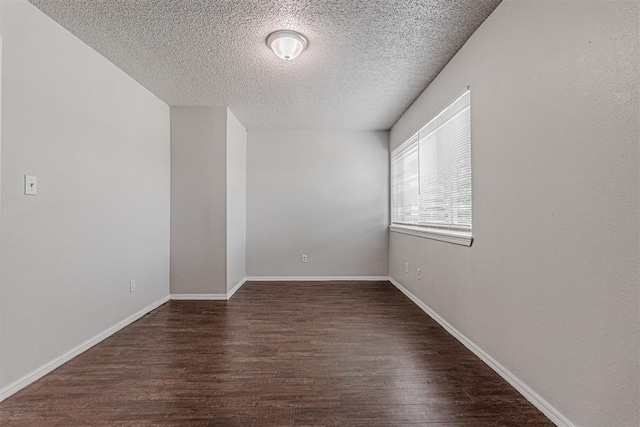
x=279, y=353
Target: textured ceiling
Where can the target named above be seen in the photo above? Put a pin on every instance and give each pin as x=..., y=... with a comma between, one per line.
x=367, y=59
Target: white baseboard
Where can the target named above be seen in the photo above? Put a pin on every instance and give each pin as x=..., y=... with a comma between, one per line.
x=45, y=369
x=209, y=297
x=199, y=297
x=236, y=288
x=545, y=407
x=315, y=278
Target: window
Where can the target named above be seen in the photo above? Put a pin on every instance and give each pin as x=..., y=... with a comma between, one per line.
x=431, y=178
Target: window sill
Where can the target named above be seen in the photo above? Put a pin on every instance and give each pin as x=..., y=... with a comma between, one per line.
x=454, y=237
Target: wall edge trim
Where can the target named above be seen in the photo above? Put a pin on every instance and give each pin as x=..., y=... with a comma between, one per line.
x=534, y=398
x=315, y=278
x=236, y=287
x=43, y=370
x=199, y=297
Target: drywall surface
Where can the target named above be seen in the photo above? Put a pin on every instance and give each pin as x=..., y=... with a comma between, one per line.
x=2, y=383
x=236, y=200
x=320, y=193
x=99, y=144
x=198, y=200
x=550, y=286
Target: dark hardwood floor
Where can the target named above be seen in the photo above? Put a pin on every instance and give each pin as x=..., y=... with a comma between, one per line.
x=303, y=354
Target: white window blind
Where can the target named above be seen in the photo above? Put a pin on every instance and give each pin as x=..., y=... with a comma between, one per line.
x=405, y=181
x=431, y=174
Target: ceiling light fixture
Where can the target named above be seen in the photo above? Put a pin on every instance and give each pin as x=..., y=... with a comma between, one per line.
x=287, y=44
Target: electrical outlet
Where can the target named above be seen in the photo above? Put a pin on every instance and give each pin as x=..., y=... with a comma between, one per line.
x=132, y=286
x=304, y=258
x=406, y=267
x=419, y=274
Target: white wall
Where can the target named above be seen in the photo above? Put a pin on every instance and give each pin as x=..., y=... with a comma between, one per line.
x=198, y=200
x=99, y=144
x=321, y=193
x=236, y=200
x=550, y=286
x=2, y=333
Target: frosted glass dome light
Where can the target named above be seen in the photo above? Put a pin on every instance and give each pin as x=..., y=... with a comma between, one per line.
x=287, y=44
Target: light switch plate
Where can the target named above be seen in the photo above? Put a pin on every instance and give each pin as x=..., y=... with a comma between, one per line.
x=30, y=185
